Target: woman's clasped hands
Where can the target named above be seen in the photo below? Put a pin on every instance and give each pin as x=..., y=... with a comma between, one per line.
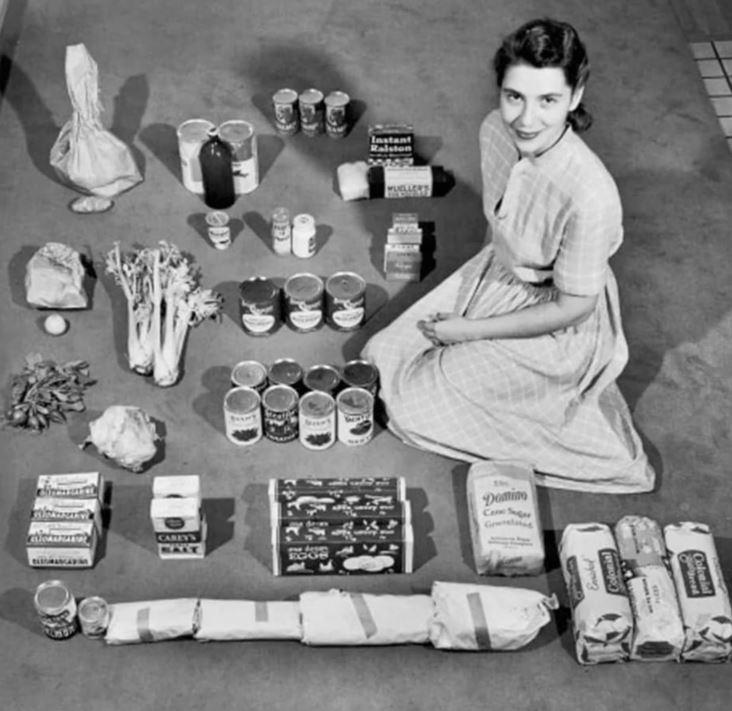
x=443, y=329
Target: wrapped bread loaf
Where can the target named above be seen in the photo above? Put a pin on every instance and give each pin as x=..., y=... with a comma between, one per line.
x=151, y=621
x=224, y=620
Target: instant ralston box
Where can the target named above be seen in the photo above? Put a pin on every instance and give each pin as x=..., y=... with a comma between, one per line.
x=62, y=544
x=180, y=528
x=391, y=144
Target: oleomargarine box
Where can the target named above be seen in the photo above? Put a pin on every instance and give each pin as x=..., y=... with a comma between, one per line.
x=80, y=485
x=62, y=544
x=48, y=508
x=180, y=527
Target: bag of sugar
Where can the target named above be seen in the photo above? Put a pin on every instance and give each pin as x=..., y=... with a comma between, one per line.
x=151, y=621
x=225, y=620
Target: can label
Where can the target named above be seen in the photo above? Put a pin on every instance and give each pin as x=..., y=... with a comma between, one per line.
x=287, y=118
x=317, y=420
x=243, y=416
x=355, y=416
x=345, y=301
x=304, y=302
x=280, y=416
x=259, y=306
x=312, y=112
x=56, y=609
x=336, y=114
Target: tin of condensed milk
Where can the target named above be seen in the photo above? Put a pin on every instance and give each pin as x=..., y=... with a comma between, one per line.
x=280, y=413
x=56, y=609
x=325, y=378
x=355, y=421
x=286, y=113
x=285, y=371
x=304, y=302
x=312, y=112
x=249, y=374
x=336, y=114
x=260, y=306
x=361, y=374
x=345, y=301
x=317, y=421
x=243, y=416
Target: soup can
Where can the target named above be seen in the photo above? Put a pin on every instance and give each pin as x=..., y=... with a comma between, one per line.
x=243, y=416
x=312, y=112
x=191, y=136
x=336, y=114
x=361, y=374
x=249, y=374
x=219, y=231
x=56, y=609
x=93, y=617
x=325, y=378
x=304, y=302
x=279, y=409
x=355, y=419
x=286, y=113
x=260, y=306
x=242, y=139
x=317, y=420
x=345, y=301
x=285, y=371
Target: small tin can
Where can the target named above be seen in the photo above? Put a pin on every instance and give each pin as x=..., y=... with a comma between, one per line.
x=218, y=229
x=192, y=134
x=243, y=416
x=260, y=302
x=304, y=302
x=324, y=378
x=281, y=231
x=244, y=158
x=345, y=301
x=93, y=617
x=249, y=374
x=285, y=371
x=279, y=409
x=286, y=113
x=56, y=609
x=317, y=420
x=355, y=421
x=336, y=114
x=303, y=235
x=361, y=374
x=312, y=112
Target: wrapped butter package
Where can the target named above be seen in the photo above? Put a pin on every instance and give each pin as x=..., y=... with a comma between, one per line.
x=602, y=619
x=505, y=528
x=226, y=620
x=703, y=596
x=659, y=630
x=342, y=618
x=487, y=617
x=151, y=621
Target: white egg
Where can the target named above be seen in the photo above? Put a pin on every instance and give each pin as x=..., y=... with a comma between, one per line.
x=55, y=324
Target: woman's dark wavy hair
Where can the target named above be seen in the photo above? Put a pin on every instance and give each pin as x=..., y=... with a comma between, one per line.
x=548, y=43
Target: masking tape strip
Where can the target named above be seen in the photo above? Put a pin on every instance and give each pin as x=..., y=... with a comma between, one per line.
x=364, y=615
x=482, y=636
x=260, y=611
x=143, y=625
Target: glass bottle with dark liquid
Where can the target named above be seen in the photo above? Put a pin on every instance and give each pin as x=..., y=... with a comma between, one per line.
x=218, y=179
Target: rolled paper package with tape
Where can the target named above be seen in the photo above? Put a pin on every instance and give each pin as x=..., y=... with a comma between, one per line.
x=228, y=620
x=151, y=621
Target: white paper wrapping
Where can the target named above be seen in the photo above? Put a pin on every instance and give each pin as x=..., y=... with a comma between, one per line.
x=342, y=618
x=151, y=621
x=225, y=620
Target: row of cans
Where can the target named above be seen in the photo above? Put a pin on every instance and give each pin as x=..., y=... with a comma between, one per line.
x=304, y=303
x=312, y=112
x=61, y=617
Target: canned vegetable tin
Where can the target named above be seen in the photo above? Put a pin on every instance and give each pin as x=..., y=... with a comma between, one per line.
x=287, y=116
x=56, y=608
x=304, y=302
x=93, y=617
x=336, y=114
x=243, y=416
x=285, y=371
x=192, y=134
x=279, y=406
x=317, y=420
x=345, y=301
x=260, y=302
x=361, y=374
x=355, y=416
x=249, y=374
x=312, y=112
x=244, y=160
x=325, y=378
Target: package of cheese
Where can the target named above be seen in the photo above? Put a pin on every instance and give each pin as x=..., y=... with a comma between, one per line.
x=224, y=620
x=151, y=621
x=505, y=527
x=703, y=596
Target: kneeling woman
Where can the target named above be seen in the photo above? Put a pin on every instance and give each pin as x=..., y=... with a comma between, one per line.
x=515, y=355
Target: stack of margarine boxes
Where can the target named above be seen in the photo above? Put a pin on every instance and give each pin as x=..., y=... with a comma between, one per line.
x=66, y=520
x=177, y=517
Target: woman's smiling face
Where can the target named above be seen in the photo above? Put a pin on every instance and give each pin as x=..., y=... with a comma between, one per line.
x=534, y=105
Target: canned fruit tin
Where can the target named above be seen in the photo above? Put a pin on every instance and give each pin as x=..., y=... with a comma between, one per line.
x=303, y=236
x=191, y=136
x=345, y=301
x=279, y=407
x=281, y=231
x=218, y=229
x=249, y=374
x=355, y=422
x=361, y=374
x=260, y=306
x=56, y=609
x=93, y=617
x=312, y=112
x=325, y=378
x=242, y=140
x=317, y=420
x=336, y=114
x=285, y=371
x=243, y=416
x=286, y=113
x=304, y=302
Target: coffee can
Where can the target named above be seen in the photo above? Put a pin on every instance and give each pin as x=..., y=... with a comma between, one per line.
x=312, y=112
x=279, y=413
x=281, y=231
x=249, y=374
x=355, y=418
x=285, y=371
x=242, y=139
x=360, y=373
x=317, y=420
x=219, y=231
x=286, y=112
x=345, y=301
x=325, y=378
x=93, y=617
x=260, y=306
x=304, y=302
x=191, y=136
x=56, y=608
x=336, y=114
x=243, y=416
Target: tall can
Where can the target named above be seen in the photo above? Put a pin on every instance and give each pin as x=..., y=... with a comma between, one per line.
x=286, y=112
x=279, y=413
x=260, y=306
x=325, y=378
x=191, y=136
x=244, y=156
x=345, y=301
x=317, y=420
x=304, y=302
x=285, y=371
x=360, y=373
x=281, y=231
x=355, y=424
x=249, y=374
x=303, y=235
x=243, y=416
x=93, y=615
x=336, y=114
x=312, y=112
x=56, y=609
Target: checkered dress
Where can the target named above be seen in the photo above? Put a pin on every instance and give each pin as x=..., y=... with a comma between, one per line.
x=549, y=400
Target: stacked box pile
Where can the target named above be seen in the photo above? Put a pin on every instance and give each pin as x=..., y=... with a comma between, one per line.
x=403, y=249
x=178, y=518
x=340, y=526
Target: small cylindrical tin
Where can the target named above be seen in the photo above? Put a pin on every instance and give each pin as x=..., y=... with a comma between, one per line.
x=279, y=411
x=325, y=378
x=243, y=416
x=93, y=617
x=192, y=134
x=260, y=302
x=355, y=422
x=317, y=420
x=242, y=140
x=56, y=609
x=336, y=114
x=345, y=301
x=219, y=231
x=249, y=374
x=303, y=235
x=361, y=374
x=285, y=371
x=281, y=231
x=304, y=302
x=286, y=112
x=312, y=112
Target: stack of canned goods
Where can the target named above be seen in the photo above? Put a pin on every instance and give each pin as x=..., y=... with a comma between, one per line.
x=312, y=112
x=60, y=616
x=284, y=402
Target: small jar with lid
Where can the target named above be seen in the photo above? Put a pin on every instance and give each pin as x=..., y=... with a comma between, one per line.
x=281, y=231
x=303, y=235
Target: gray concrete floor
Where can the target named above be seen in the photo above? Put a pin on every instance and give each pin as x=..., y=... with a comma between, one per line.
x=427, y=63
